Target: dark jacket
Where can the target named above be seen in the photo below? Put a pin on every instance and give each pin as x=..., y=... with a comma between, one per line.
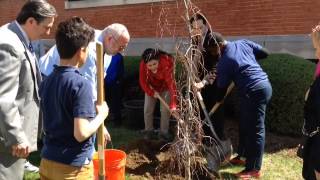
x=311, y=109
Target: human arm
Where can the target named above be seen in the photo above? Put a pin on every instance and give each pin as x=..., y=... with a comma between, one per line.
x=261, y=53
x=47, y=62
x=143, y=80
x=106, y=134
x=115, y=69
x=258, y=51
x=227, y=69
x=311, y=112
x=10, y=119
x=208, y=79
x=170, y=81
x=83, y=128
x=317, y=174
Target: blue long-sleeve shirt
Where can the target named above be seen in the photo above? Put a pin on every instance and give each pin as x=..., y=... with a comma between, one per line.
x=238, y=63
x=88, y=70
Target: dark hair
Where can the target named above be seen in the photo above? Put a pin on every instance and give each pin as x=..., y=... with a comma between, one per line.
x=38, y=9
x=71, y=35
x=213, y=40
x=152, y=54
x=198, y=16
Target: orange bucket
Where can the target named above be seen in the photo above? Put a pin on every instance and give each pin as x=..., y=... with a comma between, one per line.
x=115, y=162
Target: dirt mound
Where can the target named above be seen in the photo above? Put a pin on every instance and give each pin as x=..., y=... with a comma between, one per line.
x=145, y=159
x=150, y=159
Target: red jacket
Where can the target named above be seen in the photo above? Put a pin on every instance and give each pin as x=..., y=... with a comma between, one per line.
x=160, y=81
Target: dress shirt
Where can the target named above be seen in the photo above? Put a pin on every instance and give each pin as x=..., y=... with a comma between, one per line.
x=88, y=70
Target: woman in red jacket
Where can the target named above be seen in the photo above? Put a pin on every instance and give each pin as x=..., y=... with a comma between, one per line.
x=157, y=80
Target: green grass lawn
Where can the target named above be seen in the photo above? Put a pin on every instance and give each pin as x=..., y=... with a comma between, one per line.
x=281, y=165
x=276, y=166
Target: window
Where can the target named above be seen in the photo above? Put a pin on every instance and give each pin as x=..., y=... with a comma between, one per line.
x=72, y=4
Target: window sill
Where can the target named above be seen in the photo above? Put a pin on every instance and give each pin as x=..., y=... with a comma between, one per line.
x=99, y=3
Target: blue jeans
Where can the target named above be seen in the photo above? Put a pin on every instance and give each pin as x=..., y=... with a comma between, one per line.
x=251, y=127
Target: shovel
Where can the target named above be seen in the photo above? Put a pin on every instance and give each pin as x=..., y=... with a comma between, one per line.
x=221, y=150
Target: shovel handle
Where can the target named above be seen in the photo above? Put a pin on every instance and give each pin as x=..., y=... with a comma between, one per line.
x=100, y=99
x=217, y=105
x=164, y=103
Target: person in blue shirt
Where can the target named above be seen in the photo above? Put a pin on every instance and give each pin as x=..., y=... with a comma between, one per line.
x=238, y=62
x=70, y=119
x=113, y=87
x=114, y=38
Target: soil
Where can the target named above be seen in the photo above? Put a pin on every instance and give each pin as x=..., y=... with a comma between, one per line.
x=146, y=159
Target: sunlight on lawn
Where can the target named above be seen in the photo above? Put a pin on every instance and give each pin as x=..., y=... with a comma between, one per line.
x=276, y=166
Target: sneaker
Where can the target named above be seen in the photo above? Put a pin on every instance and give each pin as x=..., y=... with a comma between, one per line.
x=247, y=174
x=30, y=168
x=237, y=161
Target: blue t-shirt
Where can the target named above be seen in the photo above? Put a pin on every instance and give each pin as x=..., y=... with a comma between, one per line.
x=66, y=94
x=238, y=63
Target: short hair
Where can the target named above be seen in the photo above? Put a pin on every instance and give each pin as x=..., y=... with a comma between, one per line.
x=198, y=16
x=214, y=39
x=116, y=30
x=38, y=9
x=71, y=35
x=152, y=54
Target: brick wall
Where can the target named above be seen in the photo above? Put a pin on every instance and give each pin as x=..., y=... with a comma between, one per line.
x=230, y=17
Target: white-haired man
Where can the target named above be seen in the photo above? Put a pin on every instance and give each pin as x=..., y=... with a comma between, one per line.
x=114, y=38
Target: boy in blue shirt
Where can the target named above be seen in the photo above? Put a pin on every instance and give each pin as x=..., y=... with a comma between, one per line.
x=237, y=62
x=69, y=115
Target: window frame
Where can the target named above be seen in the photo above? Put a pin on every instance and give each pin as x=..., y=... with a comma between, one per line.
x=100, y=3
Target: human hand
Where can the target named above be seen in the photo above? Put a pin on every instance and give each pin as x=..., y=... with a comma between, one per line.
x=156, y=94
x=103, y=109
x=210, y=77
x=20, y=150
x=106, y=135
x=174, y=112
x=199, y=85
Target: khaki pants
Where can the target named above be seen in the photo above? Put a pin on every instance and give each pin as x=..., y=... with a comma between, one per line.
x=149, y=105
x=51, y=170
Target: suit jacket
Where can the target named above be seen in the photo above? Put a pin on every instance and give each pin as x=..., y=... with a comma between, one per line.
x=19, y=98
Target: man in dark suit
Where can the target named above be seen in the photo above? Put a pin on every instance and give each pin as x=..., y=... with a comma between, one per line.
x=19, y=82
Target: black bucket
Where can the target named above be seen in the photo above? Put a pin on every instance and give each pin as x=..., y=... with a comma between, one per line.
x=134, y=114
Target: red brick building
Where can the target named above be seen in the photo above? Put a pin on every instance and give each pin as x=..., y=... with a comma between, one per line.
x=279, y=25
